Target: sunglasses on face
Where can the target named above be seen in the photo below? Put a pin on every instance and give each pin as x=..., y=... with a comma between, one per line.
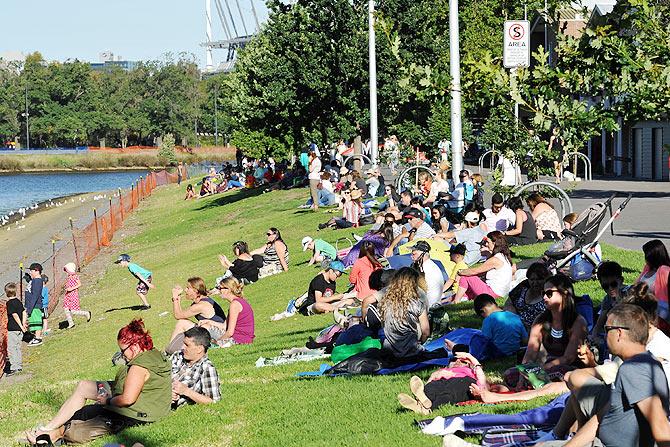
x=609, y=285
x=269, y=234
x=609, y=328
x=550, y=292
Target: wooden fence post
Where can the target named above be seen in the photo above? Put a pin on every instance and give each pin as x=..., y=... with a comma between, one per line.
x=121, y=203
x=97, y=232
x=53, y=265
x=74, y=243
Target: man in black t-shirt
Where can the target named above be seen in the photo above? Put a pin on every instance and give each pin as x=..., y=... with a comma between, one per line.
x=321, y=296
x=17, y=323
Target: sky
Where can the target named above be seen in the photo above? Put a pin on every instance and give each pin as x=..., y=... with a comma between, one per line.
x=133, y=29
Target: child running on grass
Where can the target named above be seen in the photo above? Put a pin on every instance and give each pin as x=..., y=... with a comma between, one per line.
x=71, y=298
x=142, y=274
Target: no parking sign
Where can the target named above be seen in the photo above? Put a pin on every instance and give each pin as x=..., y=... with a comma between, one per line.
x=516, y=50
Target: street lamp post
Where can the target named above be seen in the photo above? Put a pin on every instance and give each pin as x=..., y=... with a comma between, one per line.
x=455, y=71
x=374, y=139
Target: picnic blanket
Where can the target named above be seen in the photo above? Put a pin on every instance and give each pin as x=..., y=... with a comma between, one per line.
x=399, y=261
x=292, y=355
x=479, y=423
x=480, y=346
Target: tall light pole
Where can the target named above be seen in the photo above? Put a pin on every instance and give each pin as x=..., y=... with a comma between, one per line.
x=455, y=71
x=27, y=123
x=374, y=139
x=209, y=63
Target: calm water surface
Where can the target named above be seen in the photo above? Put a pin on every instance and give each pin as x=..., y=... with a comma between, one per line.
x=24, y=190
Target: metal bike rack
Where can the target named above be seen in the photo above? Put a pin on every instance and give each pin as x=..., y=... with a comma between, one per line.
x=401, y=178
x=563, y=197
x=588, y=174
x=494, y=160
x=362, y=157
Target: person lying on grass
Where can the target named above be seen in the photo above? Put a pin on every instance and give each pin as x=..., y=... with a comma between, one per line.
x=194, y=377
x=202, y=308
x=239, y=328
x=140, y=394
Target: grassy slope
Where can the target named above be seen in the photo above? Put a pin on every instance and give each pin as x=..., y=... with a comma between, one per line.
x=267, y=406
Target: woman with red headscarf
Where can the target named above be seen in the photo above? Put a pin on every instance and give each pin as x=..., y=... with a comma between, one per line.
x=141, y=393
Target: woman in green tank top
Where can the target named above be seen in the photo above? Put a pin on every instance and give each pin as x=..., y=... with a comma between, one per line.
x=141, y=393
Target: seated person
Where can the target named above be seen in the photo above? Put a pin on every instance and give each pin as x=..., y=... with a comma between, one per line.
x=503, y=328
x=378, y=282
x=244, y=267
x=439, y=219
x=140, y=394
x=321, y=296
x=190, y=193
x=381, y=235
x=362, y=269
x=498, y=269
x=202, y=308
x=457, y=258
x=459, y=196
x=498, y=217
x=557, y=332
x=432, y=273
x=194, y=377
x=239, y=328
x=656, y=273
x=634, y=411
x=418, y=229
x=404, y=314
x=527, y=298
x=322, y=251
x=275, y=254
x=471, y=236
x=546, y=219
x=351, y=211
x=524, y=231
x=610, y=276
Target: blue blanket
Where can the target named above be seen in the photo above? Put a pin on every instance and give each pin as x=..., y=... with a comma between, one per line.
x=480, y=346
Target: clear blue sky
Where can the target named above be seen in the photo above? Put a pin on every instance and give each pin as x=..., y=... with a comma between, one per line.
x=134, y=29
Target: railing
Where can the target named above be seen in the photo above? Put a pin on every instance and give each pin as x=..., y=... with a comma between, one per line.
x=563, y=198
x=404, y=176
x=494, y=160
x=588, y=173
x=362, y=157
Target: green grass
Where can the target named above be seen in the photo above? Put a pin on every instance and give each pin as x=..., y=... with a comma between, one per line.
x=260, y=406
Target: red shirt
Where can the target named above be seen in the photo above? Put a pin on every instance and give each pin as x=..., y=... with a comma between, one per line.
x=360, y=275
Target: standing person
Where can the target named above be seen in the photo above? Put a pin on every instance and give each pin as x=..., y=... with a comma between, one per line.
x=239, y=328
x=314, y=179
x=45, y=305
x=17, y=324
x=33, y=303
x=180, y=173
x=556, y=143
x=144, y=278
x=71, y=298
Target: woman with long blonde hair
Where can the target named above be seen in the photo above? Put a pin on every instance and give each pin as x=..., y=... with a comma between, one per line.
x=239, y=327
x=404, y=314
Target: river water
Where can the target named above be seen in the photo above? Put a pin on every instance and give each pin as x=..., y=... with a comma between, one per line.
x=27, y=189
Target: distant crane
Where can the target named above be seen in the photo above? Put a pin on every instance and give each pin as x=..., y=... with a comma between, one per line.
x=235, y=31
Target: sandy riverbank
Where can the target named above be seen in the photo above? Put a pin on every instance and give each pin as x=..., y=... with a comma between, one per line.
x=29, y=240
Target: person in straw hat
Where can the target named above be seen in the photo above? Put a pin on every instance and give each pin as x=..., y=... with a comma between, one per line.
x=351, y=211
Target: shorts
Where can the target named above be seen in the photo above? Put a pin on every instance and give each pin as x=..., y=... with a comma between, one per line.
x=269, y=270
x=35, y=320
x=143, y=288
x=308, y=311
x=93, y=422
x=592, y=397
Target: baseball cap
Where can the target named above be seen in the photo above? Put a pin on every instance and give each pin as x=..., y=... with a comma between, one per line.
x=122, y=258
x=472, y=217
x=337, y=266
x=305, y=241
x=421, y=246
x=413, y=212
x=458, y=249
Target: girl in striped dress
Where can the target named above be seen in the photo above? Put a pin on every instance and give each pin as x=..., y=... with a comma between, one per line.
x=71, y=298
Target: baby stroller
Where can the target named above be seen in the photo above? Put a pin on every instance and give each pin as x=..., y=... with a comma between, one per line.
x=575, y=253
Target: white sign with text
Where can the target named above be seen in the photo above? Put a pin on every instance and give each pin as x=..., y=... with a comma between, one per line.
x=516, y=51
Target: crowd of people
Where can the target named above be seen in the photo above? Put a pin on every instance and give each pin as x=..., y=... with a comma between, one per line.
x=426, y=248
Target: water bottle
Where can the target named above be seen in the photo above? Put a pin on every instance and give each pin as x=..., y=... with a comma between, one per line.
x=101, y=390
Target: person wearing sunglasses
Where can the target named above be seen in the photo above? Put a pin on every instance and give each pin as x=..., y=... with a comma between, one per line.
x=141, y=393
x=274, y=252
x=610, y=276
x=244, y=267
x=559, y=330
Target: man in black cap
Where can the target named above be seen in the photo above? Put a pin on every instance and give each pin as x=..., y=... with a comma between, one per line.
x=433, y=274
x=415, y=228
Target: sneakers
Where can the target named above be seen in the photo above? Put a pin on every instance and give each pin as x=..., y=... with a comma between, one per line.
x=290, y=308
x=90, y=315
x=356, y=237
x=12, y=372
x=35, y=342
x=304, y=207
x=322, y=226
